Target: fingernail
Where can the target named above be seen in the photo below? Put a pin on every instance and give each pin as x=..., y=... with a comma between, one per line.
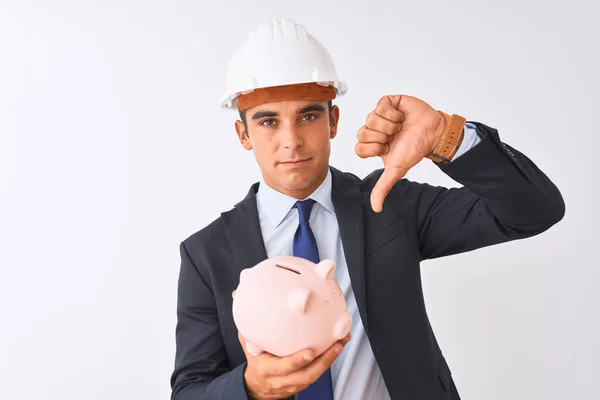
x=338, y=348
x=307, y=357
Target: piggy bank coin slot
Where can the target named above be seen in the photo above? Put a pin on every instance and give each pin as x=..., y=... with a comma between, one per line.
x=287, y=268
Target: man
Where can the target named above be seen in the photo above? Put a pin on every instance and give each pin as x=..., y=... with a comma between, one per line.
x=378, y=229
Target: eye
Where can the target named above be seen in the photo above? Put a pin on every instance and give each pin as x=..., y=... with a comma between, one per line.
x=308, y=117
x=268, y=122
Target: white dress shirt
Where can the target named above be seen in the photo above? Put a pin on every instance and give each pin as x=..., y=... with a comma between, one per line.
x=355, y=372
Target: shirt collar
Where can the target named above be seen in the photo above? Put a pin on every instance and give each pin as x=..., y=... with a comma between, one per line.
x=276, y=205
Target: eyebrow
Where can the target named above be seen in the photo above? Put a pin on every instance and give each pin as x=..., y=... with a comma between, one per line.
x=262, y=114
x=309, y=108
x=312, y=107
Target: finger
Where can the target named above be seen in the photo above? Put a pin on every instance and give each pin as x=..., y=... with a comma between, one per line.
x=303, y=377
x=366, y=135
x=382, y=188
x=233, y=294
x=314, y=370
x=281, y=366
x=364, y=150
x=388, y=108
x=346, y=339
x=380, y=124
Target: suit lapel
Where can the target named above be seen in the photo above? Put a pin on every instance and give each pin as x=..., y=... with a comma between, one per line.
x=347, y=200
x=242, y=228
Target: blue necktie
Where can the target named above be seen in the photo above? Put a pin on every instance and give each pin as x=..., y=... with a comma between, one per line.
x=305, y=246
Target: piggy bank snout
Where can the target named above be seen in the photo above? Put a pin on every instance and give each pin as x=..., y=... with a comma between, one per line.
x=342, y=326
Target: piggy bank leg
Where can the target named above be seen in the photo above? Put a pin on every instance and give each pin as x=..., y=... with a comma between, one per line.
x=342, y=326
x=253, y=349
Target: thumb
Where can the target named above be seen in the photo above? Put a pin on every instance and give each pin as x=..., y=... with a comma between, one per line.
x=382, y=188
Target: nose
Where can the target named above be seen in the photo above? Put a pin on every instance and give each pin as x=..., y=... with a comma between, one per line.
x=291, y=137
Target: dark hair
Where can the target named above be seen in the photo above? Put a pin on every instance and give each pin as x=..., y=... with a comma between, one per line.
x=243, y=115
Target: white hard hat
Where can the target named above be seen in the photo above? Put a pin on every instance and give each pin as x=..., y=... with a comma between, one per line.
x=277, y=53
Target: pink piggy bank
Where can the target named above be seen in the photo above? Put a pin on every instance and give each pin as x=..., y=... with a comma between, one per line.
x=286, y=304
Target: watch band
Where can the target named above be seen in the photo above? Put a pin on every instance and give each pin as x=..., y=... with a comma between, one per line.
x=450, y=140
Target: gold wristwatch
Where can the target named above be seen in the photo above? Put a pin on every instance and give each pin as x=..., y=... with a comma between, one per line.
x=450, y=140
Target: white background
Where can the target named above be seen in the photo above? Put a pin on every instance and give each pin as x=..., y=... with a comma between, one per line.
x=113, y=150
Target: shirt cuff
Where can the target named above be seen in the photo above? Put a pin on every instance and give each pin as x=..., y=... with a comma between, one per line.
x=470, y=140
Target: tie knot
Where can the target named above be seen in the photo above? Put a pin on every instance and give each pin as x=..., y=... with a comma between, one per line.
x=304, y=207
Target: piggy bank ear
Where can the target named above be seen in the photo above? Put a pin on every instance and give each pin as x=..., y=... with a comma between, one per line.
x=325, y=269
x=298, y=299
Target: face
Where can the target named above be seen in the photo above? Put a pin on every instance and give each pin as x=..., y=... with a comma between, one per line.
x=291, y=143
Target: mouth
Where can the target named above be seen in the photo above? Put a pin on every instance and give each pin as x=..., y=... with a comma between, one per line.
x=294, y=163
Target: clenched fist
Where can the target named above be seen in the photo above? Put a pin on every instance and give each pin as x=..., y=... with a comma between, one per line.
x=402, y=130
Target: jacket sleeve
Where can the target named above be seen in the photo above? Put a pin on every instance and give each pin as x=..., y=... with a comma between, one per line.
x=504, y=196
x=201, y=367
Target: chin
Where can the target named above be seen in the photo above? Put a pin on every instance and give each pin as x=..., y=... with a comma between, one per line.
x=299, y=179
x=297, y=182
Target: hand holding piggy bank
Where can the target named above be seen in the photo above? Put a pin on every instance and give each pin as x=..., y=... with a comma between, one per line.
x=286, y=304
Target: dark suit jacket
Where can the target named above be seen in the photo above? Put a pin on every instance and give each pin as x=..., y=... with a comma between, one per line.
x=504, y=197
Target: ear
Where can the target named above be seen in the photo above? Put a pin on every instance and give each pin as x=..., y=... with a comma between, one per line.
x=335, y=117
x=298, y=299
x=325, y=269
x=240, y=129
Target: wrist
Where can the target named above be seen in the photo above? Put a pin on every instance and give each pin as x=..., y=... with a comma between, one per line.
x=439, y=131
x=450, y=138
